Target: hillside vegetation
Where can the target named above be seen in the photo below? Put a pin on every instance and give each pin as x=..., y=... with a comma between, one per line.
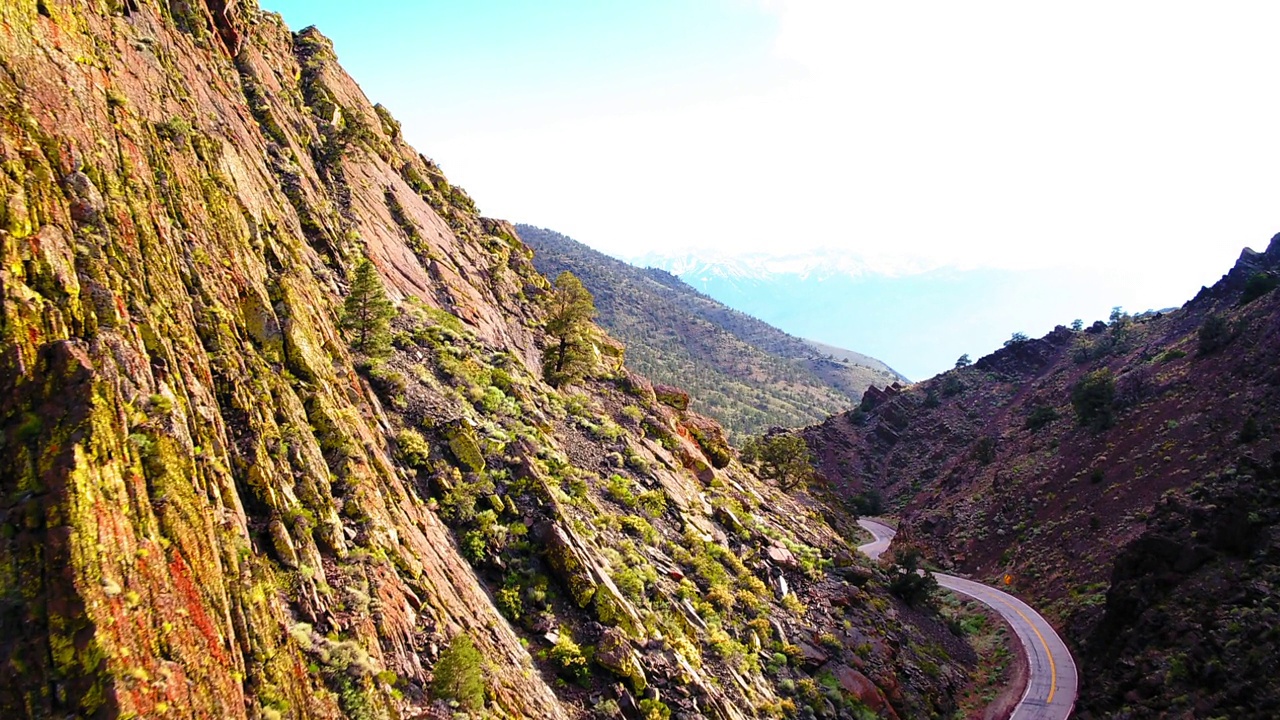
x=290, y=430
x=745, y=373
x=1123, y=476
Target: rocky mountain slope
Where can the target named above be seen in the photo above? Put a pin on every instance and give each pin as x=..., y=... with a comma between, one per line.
x=1121, y=476
x=212, y=506
x=745, y=373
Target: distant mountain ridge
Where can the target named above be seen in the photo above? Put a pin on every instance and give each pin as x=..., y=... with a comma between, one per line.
x=757, y=266
x=838, y=297
x=750, y=375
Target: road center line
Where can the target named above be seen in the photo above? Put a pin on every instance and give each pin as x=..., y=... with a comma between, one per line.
x=1053, y=667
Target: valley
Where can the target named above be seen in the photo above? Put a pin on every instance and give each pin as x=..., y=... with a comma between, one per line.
x=291, y=429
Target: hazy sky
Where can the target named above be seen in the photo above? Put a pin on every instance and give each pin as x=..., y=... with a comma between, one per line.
x=1138, y=138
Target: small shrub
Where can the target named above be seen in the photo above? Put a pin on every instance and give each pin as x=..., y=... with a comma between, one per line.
x=568, y=658
x=510, y=601
x=619, y=490
x=639, y=527
x=1214, y=334
x=637, y=464
x=721, y=597
x=1039, y=417
x=459, y=674
x=1257, y=285
x=30, y=427
x=652, y=709
x=1092, y=399
x=413, y=448
x=175, y=129
x=609, y=431
x=652, y=502
x=1250, y=431
x=985, y=450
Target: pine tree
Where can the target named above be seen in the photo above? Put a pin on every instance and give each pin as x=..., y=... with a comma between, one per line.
x=367, y=311
x=459, y=674
x=569, y=324
x=785, y=458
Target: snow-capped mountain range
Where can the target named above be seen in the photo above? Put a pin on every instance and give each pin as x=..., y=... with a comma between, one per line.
x=810, y=265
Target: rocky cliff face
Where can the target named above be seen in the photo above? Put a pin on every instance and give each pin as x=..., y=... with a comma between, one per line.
x=1121, y=475
x=211, y=507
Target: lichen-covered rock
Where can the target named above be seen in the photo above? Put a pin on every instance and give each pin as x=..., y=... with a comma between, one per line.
x=861, y=687
x=465, y=446
x=672, y=396
x=617, y=655
x=711, y=440
x=202, y=510
x=567, y=563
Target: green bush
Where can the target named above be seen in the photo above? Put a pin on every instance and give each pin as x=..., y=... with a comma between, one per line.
x=652, y=502
x=638, y=526
x=654, y=709
x=1257, y=285
x=1214, y=334
x=619, y=490
x=1092, y=399
x=913, y=588
x=413, y=448
x=1039, y=417
x=568, y=658
x=459, y=674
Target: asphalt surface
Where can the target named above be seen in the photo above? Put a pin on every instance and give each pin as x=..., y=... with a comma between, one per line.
x=1051, y=681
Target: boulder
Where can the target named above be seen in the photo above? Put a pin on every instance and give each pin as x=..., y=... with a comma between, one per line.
x=567, y=563
x=811, y=655
x=638, y=385
x=672, y=396
x=861, y=687
x=616, y=654
x=782, y=557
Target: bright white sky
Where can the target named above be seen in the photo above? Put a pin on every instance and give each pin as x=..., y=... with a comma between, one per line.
x=1008, y=134
x=1139, y=137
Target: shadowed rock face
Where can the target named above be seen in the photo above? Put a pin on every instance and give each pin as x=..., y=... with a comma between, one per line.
x=209, y=505
x=1138, y=534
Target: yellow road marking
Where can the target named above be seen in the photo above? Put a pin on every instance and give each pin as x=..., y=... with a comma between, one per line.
x=1053, y=667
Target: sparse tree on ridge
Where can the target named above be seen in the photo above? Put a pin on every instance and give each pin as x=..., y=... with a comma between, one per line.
x=569, y=324
x=1016, y=339
x=963, y=361
x=782, y=457
x=367, y=311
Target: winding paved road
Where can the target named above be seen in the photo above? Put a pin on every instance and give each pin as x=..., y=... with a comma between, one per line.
x=1051, y=682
